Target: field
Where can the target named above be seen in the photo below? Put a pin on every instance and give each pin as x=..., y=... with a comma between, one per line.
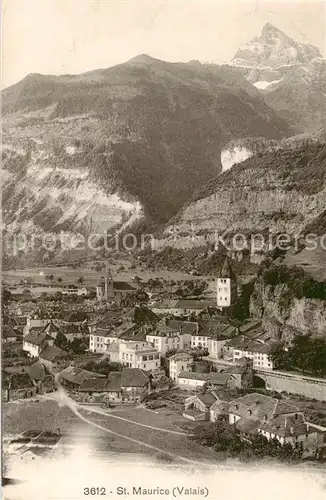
x=70, y=275
x=125, y=430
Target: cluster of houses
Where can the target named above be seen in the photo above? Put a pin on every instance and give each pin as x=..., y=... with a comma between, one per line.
x=257, y=414
x=140, y=340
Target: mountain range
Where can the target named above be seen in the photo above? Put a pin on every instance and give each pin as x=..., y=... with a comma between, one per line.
x=108, y=148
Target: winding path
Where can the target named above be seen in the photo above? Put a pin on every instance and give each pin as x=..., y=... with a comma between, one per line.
x=62, y=397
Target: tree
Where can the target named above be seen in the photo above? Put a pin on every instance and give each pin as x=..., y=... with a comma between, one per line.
x=78, y=346
x=80, y=280
x=59, y=280
x=49, y=278
x=61, y=341
x=57, y=296
x=280, y=357
x=137, y=280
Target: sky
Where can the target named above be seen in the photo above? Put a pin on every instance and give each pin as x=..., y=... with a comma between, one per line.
x=74, y=36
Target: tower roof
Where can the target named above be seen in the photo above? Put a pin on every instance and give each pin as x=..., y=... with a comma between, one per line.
x=227, y=271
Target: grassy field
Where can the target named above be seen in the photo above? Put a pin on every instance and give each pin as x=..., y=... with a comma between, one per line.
x=159, y=434
x=91, y=277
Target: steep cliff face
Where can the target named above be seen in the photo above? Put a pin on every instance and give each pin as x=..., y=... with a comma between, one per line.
x=293, y=315
x=40, y=195
x=279, y=191
x=239, y=150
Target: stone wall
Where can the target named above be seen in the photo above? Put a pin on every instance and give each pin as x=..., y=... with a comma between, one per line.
x=309, y=387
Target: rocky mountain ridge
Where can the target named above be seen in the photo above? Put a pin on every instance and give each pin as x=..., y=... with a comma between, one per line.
x=276, y=191
x=290, y=75
x=115, y=145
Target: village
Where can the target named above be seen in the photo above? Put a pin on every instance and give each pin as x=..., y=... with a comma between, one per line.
x=122, y=347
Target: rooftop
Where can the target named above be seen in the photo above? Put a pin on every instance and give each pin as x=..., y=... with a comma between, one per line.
x=134, y=377
x=207, y=399
x=259, y=406
x=77, y=375
x=180, y=356
x=52, y=353
x=36, y=336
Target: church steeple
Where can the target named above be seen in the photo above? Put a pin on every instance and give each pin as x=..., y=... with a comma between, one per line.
x=226, y=292
x=227, y=271
x=109, y=289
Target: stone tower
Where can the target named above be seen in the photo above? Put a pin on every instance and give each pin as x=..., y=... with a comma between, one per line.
x=226, y=291
x=105, y=288
x=108, y=286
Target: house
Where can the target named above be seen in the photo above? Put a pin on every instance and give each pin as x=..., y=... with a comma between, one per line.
x=18, y=386
x=258, y=351
x=8, y=334
x=53, y=358
x=75, y=291
x=186, y=328
x=242, y=346
x=197, y=407
x=242, y=371
x=70, y=290
x=25, y=309
x=165, y=306
x=101, y=338
x=135, y=385
x=37, y=319
x=186, y=307
x=51, y=329
x=200, y=339
x=74, y=331
x=218, y=408
x=165, y=339
x=36, y=341
x=180, y=362
x=194, y=381
x=102, y=390
x=135, y=354
x=44, y=382
x=273, y=418
x=129, y=330
x=72, y=377
x=110, y=319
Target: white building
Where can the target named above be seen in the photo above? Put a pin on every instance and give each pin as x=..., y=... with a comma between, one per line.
x=99, y=340
x=36, y=341
x=73, y=290
x=180, y=362
x=133, y=354
x=215, y=347
x=165, y=341
x=200, y=341
x=259, y=352
x=226, y=288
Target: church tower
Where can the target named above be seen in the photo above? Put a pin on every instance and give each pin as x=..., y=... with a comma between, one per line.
x=226, y=292
x=108, y=286
x=105, y=288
